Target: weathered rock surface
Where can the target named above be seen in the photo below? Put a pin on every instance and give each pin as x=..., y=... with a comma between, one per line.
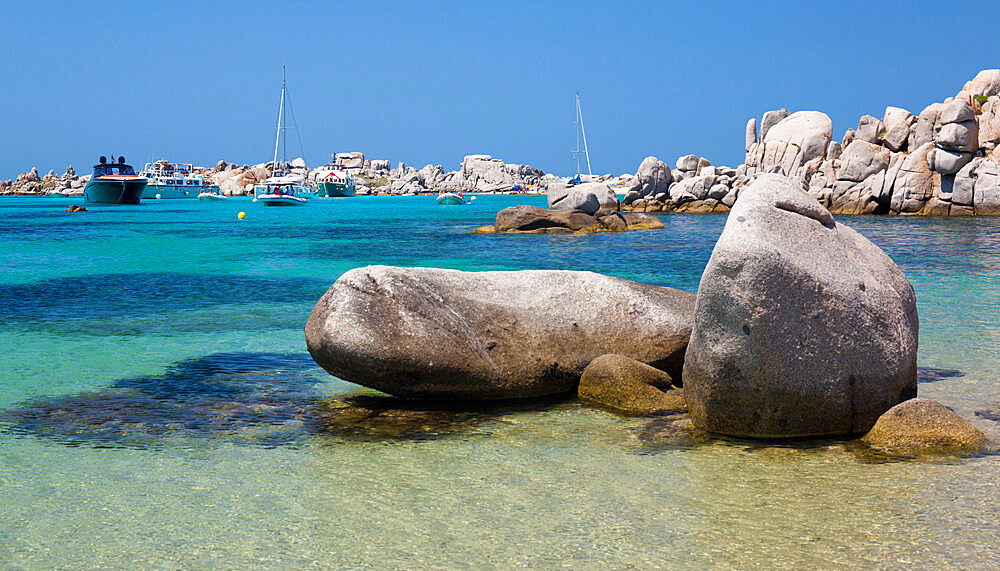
x=588, y=197
x=531, y=219
x=803, y=327
x=919, y=427
x=433, y=333
x=630, y=387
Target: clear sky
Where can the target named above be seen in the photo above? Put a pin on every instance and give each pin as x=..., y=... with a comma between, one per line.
x=431, y=82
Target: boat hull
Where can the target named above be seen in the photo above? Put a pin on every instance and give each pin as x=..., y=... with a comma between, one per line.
x=101, y=191
x=211, y=196
x=449, y=199
x=283, y=200
x=332, y=189
x=163, y=191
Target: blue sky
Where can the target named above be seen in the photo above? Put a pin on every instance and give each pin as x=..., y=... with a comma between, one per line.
x=430, y=83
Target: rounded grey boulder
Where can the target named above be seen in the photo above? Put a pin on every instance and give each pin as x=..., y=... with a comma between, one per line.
x=434, y=333
x=802, y=326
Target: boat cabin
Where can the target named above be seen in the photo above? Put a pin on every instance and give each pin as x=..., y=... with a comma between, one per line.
x=106, y=168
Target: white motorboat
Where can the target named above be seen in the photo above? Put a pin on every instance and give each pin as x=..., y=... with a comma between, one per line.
x=211, y=196
x=282, y=191
x=447, y=198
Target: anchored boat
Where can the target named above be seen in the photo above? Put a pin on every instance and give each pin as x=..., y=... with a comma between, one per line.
x=451, y=198
x=173, y=180
x=114, y=183
x=334, y=180
x=282, y=191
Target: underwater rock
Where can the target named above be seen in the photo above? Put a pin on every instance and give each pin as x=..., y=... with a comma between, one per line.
x=630, y=387
x=435, y=333
x=802, y=327
x=920, y=427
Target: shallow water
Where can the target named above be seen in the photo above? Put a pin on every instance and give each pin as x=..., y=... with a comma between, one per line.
x=160, y=410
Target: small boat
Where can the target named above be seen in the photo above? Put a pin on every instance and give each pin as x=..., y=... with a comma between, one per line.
x=173, y=180
x=282, y=191
x=335, y=179
x=114, y=183
x=209, y=195
x=451, y=198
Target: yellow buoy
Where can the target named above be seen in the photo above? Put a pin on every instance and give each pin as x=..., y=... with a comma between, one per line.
x=241, y=215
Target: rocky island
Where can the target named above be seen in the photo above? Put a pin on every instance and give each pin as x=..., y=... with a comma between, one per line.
x=942, y=161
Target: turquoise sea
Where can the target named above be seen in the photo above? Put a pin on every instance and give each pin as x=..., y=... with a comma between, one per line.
x=159, y=408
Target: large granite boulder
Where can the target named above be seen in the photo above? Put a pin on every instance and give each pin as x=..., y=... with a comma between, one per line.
x=524, y=218
x=920, y=427
x=791, y=143
x=653, y=177
x=588, y=197
x=434, y=333
x=802, y=327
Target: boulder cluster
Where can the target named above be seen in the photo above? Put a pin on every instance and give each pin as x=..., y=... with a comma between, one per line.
x=30, y=184
x=801, y=327
x=943, y=161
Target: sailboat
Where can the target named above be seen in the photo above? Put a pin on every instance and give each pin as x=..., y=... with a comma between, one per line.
x=282, y=188
x=580, y=132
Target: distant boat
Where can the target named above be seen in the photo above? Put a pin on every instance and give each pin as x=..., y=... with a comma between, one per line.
x=333, y=180
x=451, y=198
x=282, y=189
x=173, y=180
x=212, y=195
x=114, y=183
x=580, y=132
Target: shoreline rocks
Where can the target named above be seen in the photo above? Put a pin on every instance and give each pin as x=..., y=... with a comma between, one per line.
x=432, y=333
x=802, y=326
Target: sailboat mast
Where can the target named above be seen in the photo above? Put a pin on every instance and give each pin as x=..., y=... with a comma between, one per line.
x=579, y=111
x=281, y=114
x=284, y=138
x=576, y=153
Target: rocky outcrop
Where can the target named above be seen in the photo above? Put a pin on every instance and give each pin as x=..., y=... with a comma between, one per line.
x=433, y=333
x=534, y=220
x=630, y=387
x=803, y=327
x=922, y=427
x=899, y=164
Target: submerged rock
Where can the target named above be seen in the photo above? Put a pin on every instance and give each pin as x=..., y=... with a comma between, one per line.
x=630, y=387
x=921, y=427
x=433, y=333
x=803, y=327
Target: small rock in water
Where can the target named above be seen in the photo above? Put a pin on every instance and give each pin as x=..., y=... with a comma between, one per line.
x=76, y=208
x=922, y=427
x=630, y=387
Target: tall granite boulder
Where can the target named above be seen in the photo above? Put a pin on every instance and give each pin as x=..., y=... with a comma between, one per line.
x=588, y=197
x=802, y=326
x=791, y=143
x=434, y=333
x=653, y=176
